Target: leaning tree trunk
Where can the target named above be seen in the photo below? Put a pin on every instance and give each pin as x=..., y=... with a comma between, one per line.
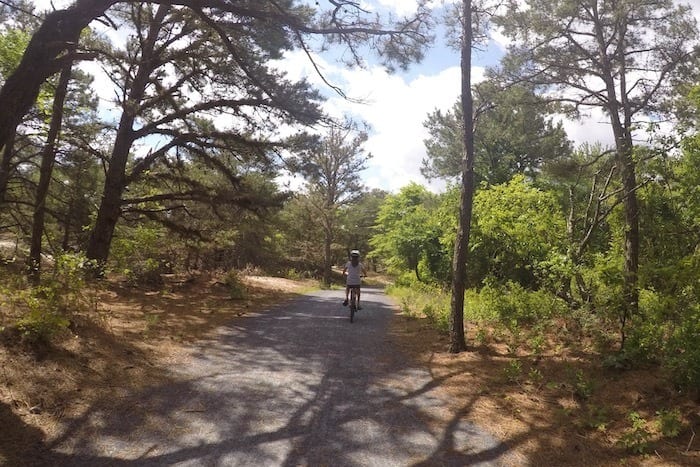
x=48, y=158
x=459, y=262
x=116, y=179
x=57, y=33
x=110, y=206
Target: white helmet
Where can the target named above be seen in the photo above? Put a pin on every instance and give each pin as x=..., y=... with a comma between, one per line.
x=355, y=253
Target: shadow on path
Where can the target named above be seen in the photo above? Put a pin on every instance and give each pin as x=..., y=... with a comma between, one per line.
x=297, y=384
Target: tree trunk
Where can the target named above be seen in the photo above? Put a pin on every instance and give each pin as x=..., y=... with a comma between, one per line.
x=620, y=112
x=57, y=33
x=110, y=206
x=116, y=179
x=328, y=240
x=417, y=272
x=630, y=290
x=48, y=158
x=6, y=164
x=459, y=262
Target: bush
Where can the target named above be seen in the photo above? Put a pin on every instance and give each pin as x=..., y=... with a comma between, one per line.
x=682, y=352
x=44, y=318
x=666, y=331
x=50, y=305
x=637, y=438
x=139, y=256
x=236, y=287
x=420, y=299
x=669, y=422
x=513, y=305
x=439, y=316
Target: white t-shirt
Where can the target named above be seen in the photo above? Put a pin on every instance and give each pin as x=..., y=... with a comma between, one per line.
x=354, y=273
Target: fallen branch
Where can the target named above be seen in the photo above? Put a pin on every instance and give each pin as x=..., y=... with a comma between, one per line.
x=691, y=440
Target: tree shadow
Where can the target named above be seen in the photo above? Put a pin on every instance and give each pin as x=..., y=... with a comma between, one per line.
x=18, y=440
x=297, y=384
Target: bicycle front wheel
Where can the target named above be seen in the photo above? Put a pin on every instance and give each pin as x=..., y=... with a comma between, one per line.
x=353, y=304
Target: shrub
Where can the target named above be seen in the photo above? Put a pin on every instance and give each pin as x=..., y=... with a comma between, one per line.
x=424, y=300
x=666, y=331
x=139, y=255
x=438, y=316
x=44, y=318
x=513, y=372
x=669, y=422
x=512, y=304
x=682, y=352
x=147, y=272
x=596, y=418
x=236, y=287
x=583, y=387
x=637, y=437
x=50, y=305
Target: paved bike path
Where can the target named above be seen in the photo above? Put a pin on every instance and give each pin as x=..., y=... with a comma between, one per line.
x=294, y=385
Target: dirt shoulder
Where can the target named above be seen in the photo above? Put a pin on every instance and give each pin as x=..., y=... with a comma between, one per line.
x=553, y=418
x=558, y=408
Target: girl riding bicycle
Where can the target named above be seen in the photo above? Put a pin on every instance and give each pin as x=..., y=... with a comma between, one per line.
x=353, y=271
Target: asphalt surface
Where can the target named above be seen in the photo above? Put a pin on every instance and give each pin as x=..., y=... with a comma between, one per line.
x=294, y=385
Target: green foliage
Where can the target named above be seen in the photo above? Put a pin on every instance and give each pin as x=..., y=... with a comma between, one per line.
x=236, y=287
x=50, y=305
x=517, y=231
x=536, y=342
x=481, y=337
x=682, y=351
x=514, y=305
x=583, y=387
x=152, y=320
x=293, y=274
x=423, y=300
x=637, y=438
x=438, y=316
x=513, y=372
x=513, y=135
x=13, y=42
x=407, y=235
x=669, y=422
x=535, y=376
x=44, y=317
x=667, y=331
x=617, y=361
x=596, y=418
x=141, y=255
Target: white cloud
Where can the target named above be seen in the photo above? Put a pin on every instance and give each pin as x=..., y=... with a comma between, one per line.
x=394, y=107
x=592, y=128
x=406, y=7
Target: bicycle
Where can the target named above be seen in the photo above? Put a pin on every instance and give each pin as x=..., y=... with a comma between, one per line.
x=353, y=302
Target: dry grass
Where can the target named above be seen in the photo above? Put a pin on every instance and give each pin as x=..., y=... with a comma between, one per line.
x=140, y=334
x=558, y=410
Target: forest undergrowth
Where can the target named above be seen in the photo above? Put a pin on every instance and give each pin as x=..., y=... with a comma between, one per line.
x=553, y=384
